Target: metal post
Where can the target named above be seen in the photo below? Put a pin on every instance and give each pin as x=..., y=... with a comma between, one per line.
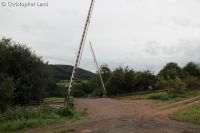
x=98, y=70
x=68, y=93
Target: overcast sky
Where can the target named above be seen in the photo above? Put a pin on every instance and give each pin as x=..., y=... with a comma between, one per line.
x=143, y=34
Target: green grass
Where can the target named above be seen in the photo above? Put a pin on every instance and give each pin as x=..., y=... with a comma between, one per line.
x=190, y=114
x=164, y=96
x=67, y=130
x=63, y=82
x=54, y=99
x=21, y=118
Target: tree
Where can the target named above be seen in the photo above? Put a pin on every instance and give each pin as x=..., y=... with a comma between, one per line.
x=171, y=71
x=29, y=73
x=192, y=69
x=116, y=82
x=145, y=81
x=7, y=88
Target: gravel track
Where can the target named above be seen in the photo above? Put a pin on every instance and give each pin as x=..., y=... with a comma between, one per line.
x=107, y=115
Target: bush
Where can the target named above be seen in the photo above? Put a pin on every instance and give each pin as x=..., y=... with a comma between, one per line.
x=80, y=90
x=31, y=117
x=7, y=88
x=21, y=113
x=178, y=86
x=30, y=74
x=160, y=95
x=68, y=110
x=192, y=82
x=173, y=86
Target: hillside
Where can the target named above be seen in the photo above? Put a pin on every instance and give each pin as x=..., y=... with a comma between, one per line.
x=63, y=72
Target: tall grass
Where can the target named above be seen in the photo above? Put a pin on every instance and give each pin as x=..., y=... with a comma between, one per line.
x=164, y=96
x=190, y=114
x=19, y=118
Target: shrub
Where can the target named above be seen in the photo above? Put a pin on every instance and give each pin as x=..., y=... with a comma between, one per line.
x=173, y=86
x=31, y=117
x=30, y=74
x=21, y=113
x=159, y=95
x=68, y=110
x=192, y=82
x=7, y=88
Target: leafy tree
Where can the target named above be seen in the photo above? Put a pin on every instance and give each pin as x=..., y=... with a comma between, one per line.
x=171, y=71
x=54, y=90
x=116, y=82
x=129, y=79
x=173, y=86
x=95, y=84
x=192, y=69
x=145, y=81
x=29, y=73
x=192, y=82
x=7, y=88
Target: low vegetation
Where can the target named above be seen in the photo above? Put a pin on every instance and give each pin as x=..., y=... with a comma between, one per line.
x=20, y=118
x=172, y=79
x=164, y=96
x=190, y=114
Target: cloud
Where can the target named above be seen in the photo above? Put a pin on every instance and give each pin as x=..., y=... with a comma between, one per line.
x=142, y=34
x=182, y=21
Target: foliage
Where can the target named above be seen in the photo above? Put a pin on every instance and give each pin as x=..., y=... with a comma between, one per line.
x=145, y=81
x=192, y=69
x=171, y=71
x=63, y=72
x=24, y=72
x=171, y=78
x=190, y=114
x=173, y=86
x=68, y=110
x=63, y=83
x=55, y=90
x=19, y=118
x=116, y=82
x=120, y=81
x=164, y=96
x=192, y=82
x=53, y=99
x=7, y=89
x=79, y=90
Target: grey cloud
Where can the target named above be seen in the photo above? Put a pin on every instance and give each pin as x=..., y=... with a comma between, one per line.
x=182, y=21
x=152, y=47
x=26, y=28
x=55, y=32
x=184, y=47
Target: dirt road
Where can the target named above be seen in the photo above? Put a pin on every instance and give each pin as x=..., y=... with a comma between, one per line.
x=107, y=115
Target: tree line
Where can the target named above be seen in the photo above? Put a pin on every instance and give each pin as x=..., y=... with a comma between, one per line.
x=25, y=79
x=171, y=78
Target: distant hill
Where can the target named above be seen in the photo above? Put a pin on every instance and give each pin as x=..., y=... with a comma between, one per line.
x=63, y=72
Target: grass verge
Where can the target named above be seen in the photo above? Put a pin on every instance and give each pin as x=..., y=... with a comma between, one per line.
x=21, y=118
x=190, y=114
x=54, y=99
x=164, y=96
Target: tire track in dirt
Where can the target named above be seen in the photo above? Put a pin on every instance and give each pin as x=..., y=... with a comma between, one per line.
x=107, y=115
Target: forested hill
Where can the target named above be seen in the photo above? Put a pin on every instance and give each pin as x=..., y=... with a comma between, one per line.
x=63, y=72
